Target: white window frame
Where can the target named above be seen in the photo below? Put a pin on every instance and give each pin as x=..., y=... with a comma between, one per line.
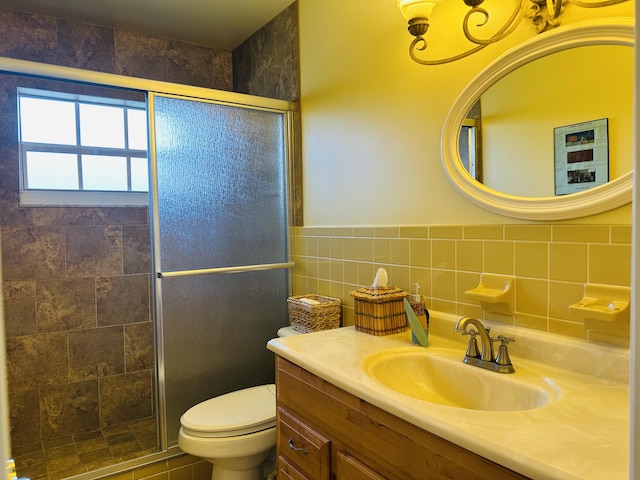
x=46, y=197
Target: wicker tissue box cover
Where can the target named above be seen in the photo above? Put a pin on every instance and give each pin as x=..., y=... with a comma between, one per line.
x=321, y=313
x=380, y=311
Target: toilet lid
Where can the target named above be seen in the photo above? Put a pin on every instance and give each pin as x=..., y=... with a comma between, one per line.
x=235, y=413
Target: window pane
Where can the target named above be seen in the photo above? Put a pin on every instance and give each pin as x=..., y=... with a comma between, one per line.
x=54, y=171
x=101, y=126
x=104, y=173
x=139, y=175
x=47, y=121
x=96, y=148
x=137, y=129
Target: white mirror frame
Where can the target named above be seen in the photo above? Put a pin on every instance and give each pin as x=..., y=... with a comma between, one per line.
x=616, y=193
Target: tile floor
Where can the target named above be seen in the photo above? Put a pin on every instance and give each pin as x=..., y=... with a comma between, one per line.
x=65, y=456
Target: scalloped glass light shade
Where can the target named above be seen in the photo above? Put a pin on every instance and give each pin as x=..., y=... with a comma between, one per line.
x=416, y=8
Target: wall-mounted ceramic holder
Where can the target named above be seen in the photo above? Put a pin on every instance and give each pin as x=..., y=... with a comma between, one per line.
x=604, y=308
x=495, y=293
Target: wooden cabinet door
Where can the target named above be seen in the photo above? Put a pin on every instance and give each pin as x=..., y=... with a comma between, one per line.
x=348, y=468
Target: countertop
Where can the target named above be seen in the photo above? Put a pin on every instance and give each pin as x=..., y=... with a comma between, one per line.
x=581, y=434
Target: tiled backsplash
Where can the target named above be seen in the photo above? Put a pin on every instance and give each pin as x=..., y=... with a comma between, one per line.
x=550, y=263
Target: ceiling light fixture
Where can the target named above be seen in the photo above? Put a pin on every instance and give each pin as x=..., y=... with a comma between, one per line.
x=544, y=14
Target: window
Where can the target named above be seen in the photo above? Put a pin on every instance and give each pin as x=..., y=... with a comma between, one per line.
x=470, y=142
x=81, y=150
x=467, y=147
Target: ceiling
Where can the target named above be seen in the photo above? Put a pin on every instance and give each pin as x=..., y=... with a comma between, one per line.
x=222, y=24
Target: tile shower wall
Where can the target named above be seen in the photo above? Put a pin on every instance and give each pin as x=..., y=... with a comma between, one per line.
x=46, y=39
x=551, y=264
x=275, y=74
x=76, y=286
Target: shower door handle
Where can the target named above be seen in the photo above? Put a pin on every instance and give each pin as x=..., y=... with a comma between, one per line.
x=218, y=270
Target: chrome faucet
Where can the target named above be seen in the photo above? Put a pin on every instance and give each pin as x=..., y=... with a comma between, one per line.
x=486, y=358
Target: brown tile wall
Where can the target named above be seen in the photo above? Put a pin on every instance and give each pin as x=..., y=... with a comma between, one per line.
x=77, y=290
x=57, y=41
x=266, y=64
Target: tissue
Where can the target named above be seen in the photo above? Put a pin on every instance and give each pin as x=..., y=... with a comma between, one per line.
x=309, y=301
x=381, y=279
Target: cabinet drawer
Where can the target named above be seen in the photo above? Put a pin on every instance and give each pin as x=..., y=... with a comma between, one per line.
x=286, y=471
x=348, y=468
x=304, y=447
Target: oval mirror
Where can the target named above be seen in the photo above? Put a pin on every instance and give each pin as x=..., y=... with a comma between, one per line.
x=540, y=134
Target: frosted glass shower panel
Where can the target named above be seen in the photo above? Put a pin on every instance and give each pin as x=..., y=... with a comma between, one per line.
x=221, y=184
x=216, y=329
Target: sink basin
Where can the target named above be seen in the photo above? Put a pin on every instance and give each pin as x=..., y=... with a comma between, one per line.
x=440, y=376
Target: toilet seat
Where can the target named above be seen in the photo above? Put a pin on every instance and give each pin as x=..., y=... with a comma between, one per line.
x=235, y=413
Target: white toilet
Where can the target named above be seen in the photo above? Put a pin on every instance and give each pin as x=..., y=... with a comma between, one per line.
x=235, y=431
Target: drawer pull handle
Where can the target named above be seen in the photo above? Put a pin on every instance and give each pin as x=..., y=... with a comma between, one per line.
x=296, y=449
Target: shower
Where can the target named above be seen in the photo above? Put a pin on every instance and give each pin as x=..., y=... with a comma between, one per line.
x=119, y=318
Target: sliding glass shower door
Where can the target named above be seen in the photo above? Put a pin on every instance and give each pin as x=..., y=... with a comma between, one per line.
x=220, y=247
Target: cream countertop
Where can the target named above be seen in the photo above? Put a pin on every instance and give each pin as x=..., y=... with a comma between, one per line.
x=582, y=434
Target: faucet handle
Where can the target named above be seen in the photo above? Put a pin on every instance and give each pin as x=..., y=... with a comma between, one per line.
x=504, y=340
x=472, y=332
x=503, y=353
x=472, y=348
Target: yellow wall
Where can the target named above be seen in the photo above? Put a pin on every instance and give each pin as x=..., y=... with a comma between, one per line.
x=372, y=118
x=376, y=195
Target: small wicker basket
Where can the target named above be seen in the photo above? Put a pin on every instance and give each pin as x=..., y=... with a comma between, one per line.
x=380, y=311
x=308, y=317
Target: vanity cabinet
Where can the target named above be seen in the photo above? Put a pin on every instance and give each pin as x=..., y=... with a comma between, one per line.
x=326, y=433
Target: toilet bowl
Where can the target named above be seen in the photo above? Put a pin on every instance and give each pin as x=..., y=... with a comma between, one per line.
x=235, y=432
